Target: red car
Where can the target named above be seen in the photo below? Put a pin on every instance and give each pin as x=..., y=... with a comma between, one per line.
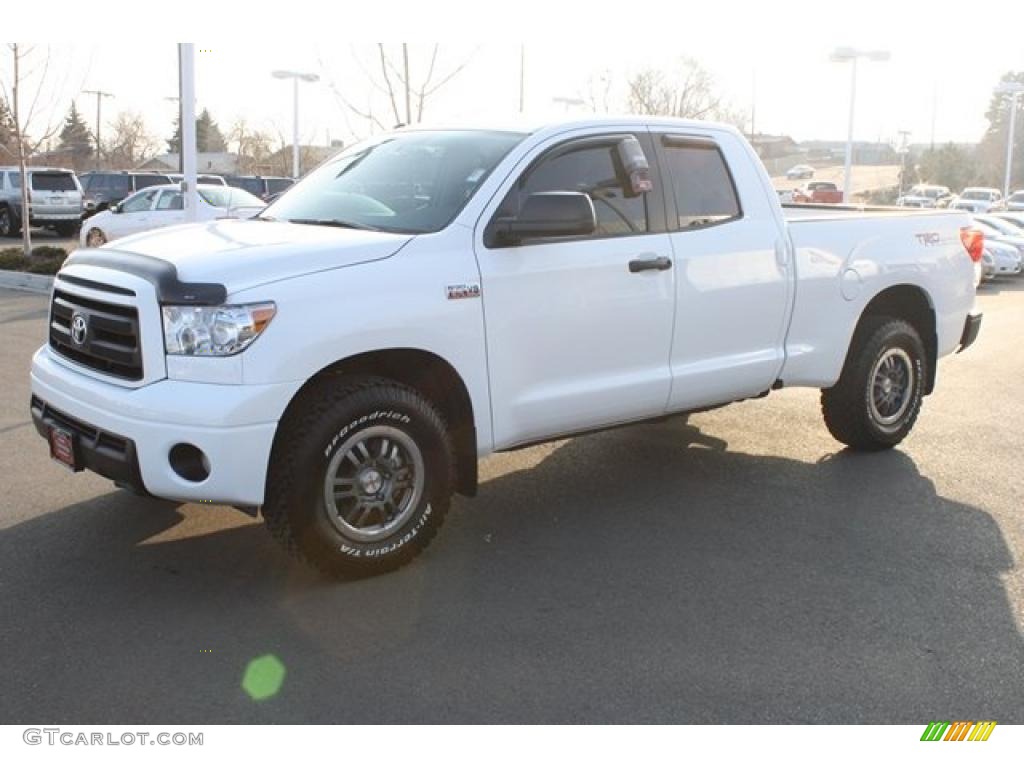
x=818, y=192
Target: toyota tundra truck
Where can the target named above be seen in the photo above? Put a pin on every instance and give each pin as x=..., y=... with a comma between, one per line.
x=340, y=363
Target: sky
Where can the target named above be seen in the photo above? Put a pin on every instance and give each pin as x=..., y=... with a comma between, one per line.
x=776, y=60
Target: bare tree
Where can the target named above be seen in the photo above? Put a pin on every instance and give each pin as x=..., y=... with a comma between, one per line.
x=685, y=90
x=130, y=142
x=32, y=98
x=405, y=78
x=252, y=146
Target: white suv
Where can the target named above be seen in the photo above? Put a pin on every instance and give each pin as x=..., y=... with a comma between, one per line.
x=55, y=200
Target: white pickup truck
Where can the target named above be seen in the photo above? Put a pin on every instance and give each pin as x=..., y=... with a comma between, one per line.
x=428, y=297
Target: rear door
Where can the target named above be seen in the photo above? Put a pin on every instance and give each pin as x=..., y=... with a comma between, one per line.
x=576, y=338
x=169, y=209
x=733, y=277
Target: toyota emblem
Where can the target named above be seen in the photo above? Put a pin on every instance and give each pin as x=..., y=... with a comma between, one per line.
x=79, y=329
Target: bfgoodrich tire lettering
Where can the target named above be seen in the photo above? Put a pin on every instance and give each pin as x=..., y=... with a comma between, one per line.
x=360, y=477
x=878, y=397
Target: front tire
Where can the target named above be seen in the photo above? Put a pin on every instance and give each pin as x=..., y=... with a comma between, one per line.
x=360, y=478
x=95, y=238
x=878, y=397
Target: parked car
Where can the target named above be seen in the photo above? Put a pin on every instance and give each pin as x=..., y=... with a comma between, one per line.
x=1014, y=217
x=978, y=199
x=102, y=189
x=800, y=172
x=1006, y=259
x=162, y=206
x=995, y=228
x=924, y=196
x=211, y=179
x=987, y=267
x=822, y=192
x=329, y=363
x=1015, y=202
x=55, y=200
x=264, y=187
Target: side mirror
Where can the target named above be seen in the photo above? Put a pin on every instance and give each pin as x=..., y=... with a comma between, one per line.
x=549, y=214
x=115, y=208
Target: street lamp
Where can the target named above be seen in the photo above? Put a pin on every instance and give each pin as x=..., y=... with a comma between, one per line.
x=1013, y=90
x=295, y=77
x=843, y=55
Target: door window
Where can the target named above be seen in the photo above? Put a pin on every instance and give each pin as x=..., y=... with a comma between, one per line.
x=595, y=171
x=704, y=191
x=141, y=201
x=170, y=201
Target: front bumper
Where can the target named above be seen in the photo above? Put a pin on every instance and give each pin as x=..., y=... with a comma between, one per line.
x=108, y=455
x=233, y=425
x=971, y=327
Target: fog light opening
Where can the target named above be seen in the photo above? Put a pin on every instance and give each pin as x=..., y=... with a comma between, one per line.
x=189, y=463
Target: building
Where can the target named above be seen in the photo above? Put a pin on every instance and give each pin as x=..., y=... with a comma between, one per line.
x=220, y=163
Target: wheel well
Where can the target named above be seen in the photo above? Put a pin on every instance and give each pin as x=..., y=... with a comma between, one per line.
x=909, y=303
x=434, y=378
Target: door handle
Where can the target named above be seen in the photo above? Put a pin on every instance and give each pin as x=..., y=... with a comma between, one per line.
x=660, y=263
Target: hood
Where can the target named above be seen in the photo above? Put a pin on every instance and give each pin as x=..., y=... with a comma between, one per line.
x=241, y=254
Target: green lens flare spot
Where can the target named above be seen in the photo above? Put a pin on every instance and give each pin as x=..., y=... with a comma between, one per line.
x=263, y=677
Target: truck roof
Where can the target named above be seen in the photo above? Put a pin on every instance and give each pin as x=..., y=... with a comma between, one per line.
x=527, y=125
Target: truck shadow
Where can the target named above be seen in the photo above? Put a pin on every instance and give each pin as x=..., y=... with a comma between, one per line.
x=642, y=575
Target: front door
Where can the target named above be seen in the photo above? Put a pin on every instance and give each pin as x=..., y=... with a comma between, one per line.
x=575, y=339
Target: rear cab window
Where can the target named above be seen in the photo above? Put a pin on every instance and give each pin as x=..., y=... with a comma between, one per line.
x=144, y=180
x=53, y=181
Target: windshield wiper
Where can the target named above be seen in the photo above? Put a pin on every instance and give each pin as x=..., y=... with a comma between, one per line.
x=335, y=223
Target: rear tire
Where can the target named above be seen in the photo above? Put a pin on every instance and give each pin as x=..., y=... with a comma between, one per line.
x=878, y=397
x=360, y=478
x=9, y=224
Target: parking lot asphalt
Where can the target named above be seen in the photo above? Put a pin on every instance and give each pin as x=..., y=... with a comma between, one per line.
x=739, y=568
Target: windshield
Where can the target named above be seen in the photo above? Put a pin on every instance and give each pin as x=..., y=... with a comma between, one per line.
x=411, y=182
x=1016, y=197
x=976, y=194
x=229, y=197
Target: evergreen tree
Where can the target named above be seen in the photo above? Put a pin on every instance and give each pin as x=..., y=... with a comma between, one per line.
x=8, y=135
x=208, y=135
x=75, y=136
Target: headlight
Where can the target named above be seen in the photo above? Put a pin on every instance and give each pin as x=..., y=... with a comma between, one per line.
x=214, y=331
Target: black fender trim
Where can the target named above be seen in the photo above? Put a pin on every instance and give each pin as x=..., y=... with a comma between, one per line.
x=161, y=274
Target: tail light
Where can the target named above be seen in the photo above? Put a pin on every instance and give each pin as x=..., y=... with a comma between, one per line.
x=974, y=242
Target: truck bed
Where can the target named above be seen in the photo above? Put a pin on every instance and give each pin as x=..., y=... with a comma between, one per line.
x=821, y=212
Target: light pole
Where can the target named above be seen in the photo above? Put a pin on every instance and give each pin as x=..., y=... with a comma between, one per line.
x=295, y=77
x=1013, y=90
x=852, y=55
x=100, y=95
x=903, y=150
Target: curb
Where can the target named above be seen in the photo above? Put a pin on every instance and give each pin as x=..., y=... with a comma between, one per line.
x=25, y=281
